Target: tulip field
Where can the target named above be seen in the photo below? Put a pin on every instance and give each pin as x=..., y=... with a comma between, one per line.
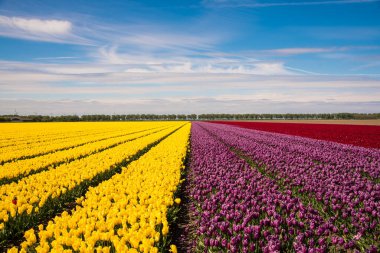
x=256, y=191
x=176, y=186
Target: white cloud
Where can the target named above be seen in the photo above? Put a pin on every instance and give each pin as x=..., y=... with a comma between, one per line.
x=183, y=86
x=28, y=80
x=55, y=27
x=272, y=75
x=136, y=36
x=37, y=29
x=151, y=39
x=315, y=50
x=294, y=51
x=173, y=63
x=271, y=69
x=368, y=65
x=56, y=58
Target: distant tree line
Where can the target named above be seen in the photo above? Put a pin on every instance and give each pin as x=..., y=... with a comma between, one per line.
x=141, y=117
x=289, y=116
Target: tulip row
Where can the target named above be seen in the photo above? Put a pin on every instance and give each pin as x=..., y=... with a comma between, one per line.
x=336, y=190
x=32, y=142
x=13, y=171
x=358, y=159
x=358, y=135
x=127, y=213
x=14, y=134
x=51, y=144
x=30, y=199
x=29, y=132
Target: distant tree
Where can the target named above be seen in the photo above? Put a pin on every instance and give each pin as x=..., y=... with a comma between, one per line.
x=191, y=117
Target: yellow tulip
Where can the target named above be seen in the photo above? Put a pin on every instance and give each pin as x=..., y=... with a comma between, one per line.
x=126, y=209
x=173, y=248
x=13, y=250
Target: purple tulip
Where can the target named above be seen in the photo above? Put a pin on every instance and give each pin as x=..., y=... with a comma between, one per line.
x=296, y=198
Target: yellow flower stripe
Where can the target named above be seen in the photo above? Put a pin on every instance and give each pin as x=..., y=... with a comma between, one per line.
x=25, y=131
x=42, y=147
x=127, y=212
x=16, y=134
x=23, y=167
x=32, y=192
x=19, y=151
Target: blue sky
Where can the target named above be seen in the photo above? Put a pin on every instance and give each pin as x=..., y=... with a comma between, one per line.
x=210, y=56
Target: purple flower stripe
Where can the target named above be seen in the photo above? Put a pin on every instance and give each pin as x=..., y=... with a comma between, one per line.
x=340, y=191
x=351, y=157
x=235, y=208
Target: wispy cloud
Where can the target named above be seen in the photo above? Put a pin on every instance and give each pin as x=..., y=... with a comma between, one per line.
x=316, y=50
x=148, y=37
x=37, y=26
x=56, y=58
x=63, y=79
x=49, y=30
x=151, y=39
x=133, y=64
x=257, y=4
x=180, y=63
x=368, y=65
x=261, y=68
x=184, y=87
